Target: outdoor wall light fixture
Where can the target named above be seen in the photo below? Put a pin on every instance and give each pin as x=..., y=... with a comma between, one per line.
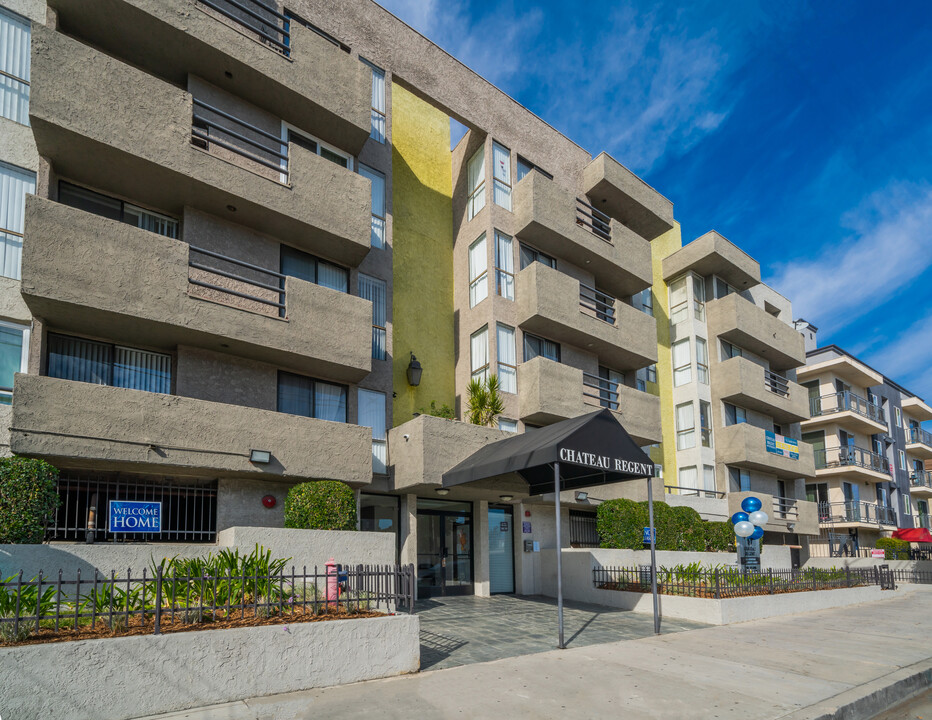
x=260, y=457
x=414, y=372
x=442, y=491
x=506, y=498
x=582, y=496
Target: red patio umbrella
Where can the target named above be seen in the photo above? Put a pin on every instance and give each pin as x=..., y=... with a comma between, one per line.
x=916, y=535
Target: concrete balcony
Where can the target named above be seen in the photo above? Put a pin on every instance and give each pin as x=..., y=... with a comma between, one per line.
x=747, y=384
x=853, y=462
x=745, y=446
x=920, y=484
x=713, y=254
x=847, y=409
x=917, y=408
x=741, y=322
x=551, y=219
x=549, y=391
x=856, y=514
x=787, y=515
x=551, y=304
x=312, y=83
x=618, y=192
x=919, y=443
x=100, y=277
x=82, y=425
x=846, y=368
x=111, y=126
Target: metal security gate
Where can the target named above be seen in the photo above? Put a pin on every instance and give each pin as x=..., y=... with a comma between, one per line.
x=189, y=512
x=583, y=531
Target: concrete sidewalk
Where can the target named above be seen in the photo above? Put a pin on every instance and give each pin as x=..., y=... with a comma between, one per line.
x=863, y=658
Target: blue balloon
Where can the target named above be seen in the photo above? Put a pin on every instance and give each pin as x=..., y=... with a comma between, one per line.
x=738, y=517
x=758, y=533
x=750, y=504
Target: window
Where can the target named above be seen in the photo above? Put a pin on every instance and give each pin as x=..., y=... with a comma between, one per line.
x=300, y=395
x=902, y=458
x=476, y=172
x=292, y=136
x=722, y=288
x=708, y=476
x=730, y=351
x=682, y=363
x=899, y=417
x=377, y=132
x=530, y=255
x=679, y=301
x=735, y=415
x=105, y=206
x=372, y=414
x=609, y=380
x=501, y=176
x=504, y=266
x=15, y=183
x=526, y=166
x=907, y=505
x=377, y=234
x=702, y=361
x=699, y=297
x=14, y=355
x=479, y=354
x=640, y=379
x=303, y=266
x=14, y=67
x=507, y=359
x=685, y=426
x=508, y=425
x=478, y=272
x=647, y=301
x=373, y=289
x=705, y=423
x=740, y=480
x=71, y=358
x=689, y=478
x=378, y=513
x=652, y=373
x=535, y=346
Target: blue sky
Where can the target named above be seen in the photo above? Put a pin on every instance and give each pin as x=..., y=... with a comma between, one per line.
x=801, y=132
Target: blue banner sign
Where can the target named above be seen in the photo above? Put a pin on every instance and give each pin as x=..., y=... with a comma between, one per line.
x=782, y=445
x=647, y=535
x=132, y=516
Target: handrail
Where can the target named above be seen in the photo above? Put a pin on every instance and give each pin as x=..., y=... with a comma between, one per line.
x=602, y=304
x=5, y=74
x=607, y=390
x=845, y=401
x=282, y=45
x=784, y=507
x=689, y=491
x=280, y=289
x=600, y=225
x=851, y=456
x=200, y=130
x=920, y=478
x=856, y=511
x=776, y=383
x=918, y=435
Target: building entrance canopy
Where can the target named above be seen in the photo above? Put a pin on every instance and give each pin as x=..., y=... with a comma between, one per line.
x=592, y=449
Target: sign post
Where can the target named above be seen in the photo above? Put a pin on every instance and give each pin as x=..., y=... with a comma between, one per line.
x=556, y=489
x=653, y=554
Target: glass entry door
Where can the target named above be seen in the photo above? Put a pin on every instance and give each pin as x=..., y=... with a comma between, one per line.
x=501, y=550
x=444, y=548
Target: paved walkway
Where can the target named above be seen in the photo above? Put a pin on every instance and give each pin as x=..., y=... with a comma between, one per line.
x=796, y=667
x=463, y=630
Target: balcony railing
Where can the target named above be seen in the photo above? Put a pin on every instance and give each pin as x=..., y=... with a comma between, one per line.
x=596, y=303
x=852, y=511
x=273, y=297
x=605, y=392
x=920, y=479
x=850, y=456
x=692, y=492
x=211, y=125
x=842, y=401
x=918, y=435
x=785, y=508
x=593, y=220
x=776, y=384
x=257, y=17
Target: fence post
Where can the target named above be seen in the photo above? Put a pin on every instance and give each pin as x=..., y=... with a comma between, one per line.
x=19, y=595
x=158, y=601
x=718, y=594
x=770, y=570
x=848, y=575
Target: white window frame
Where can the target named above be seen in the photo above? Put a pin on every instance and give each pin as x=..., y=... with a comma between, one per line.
x=702, y=360
x=684, y=482
x=686, y=435
x=288, y=127
x=501, y=275
x=647, y=301
x=478, y=281
x=507, y=425
x=24, y=355
x=899, y=417
x=378, y=118
x=705, y=429
x=501, y=186
x=19, y=78
x=708, y=477
x=902, y=459
x=379, y=444
x=679, y=308
x=475, y=199
x=508, y=381
x=377, y=231
x=683, y=373
x=480, y=371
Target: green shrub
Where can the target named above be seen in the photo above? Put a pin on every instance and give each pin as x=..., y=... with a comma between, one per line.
x=621, y=524
x=719, y=536
x=321, y=505
x=444, y=411
x=28, y=499
x=893, y=548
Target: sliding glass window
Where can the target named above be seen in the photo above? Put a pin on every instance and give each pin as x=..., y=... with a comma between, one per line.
x=72, y=358
x=300, y=395
x=303, y=266
x=373, y=289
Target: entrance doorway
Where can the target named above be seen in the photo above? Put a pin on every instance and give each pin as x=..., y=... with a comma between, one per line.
x=444, y=548
x=501, y=550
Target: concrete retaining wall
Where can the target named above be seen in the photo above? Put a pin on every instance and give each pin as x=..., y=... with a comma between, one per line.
x=772, y=556
x=305, y=547
x=120, y=678
x=840, y=562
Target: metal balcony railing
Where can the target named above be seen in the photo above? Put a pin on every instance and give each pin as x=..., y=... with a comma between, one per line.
x=842, y=401
x=923, y=521
x=692, y=492
x=227, y=131
x=776, y=384
x=785, y=508
x=920, y=479
x=261, y=18
x=596, y=303
x=850, y=456
x=276, y=291
x=918, y=435
x=603, y=391
x=593, y=220
x=852, y=511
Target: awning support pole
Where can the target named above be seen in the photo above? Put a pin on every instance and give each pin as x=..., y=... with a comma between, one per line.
x=653, y=556
x=556, y=490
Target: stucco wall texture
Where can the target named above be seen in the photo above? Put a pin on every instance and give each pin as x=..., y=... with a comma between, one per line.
x=121, y=678
x=422, y=191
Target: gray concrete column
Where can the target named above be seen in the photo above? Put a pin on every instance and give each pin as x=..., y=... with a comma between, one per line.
x=480, y=548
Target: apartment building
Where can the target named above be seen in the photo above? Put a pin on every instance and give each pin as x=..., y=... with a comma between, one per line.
x=870, y=450
x=734, y=428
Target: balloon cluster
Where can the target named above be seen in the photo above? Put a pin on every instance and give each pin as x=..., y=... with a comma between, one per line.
x=750, y=522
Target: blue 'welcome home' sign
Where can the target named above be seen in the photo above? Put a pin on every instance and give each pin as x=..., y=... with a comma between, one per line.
x=133, y=516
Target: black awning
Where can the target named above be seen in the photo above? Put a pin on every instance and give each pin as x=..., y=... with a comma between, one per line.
x=592, y=449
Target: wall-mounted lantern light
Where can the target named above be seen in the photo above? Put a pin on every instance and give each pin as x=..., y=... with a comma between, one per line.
x=414, y=372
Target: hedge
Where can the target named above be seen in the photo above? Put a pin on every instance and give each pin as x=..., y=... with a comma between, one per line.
x=28, y=499
x=321, y=505
x=893, y=548
x=621, y=524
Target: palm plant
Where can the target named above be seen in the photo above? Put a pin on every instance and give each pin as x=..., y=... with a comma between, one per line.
x=485, y=402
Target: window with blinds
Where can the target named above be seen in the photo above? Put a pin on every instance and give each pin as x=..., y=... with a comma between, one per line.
x=14, y=67
x=377, y=179
x=72, y=358
x=116, y=209
x=372, y=414
x=303, y=266
x=373, y=289
x=300, y=395
x=15, y=183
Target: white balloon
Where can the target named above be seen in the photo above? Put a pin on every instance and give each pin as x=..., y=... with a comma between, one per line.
x=744, y=529
x=759, y=518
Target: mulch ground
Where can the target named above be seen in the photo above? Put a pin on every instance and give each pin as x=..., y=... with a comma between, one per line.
x=219, y=621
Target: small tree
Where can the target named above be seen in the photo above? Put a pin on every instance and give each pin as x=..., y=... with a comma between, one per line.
x=485, y=402
x=894, y=548
x=28, y=499
x=321, y=505
x=444, y=411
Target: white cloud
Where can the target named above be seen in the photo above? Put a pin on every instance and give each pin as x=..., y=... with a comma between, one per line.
x=889, y=246
x=905, y=358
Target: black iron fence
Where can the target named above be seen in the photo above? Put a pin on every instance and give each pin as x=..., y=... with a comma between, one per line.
x=720, y=583
x=156, y=600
